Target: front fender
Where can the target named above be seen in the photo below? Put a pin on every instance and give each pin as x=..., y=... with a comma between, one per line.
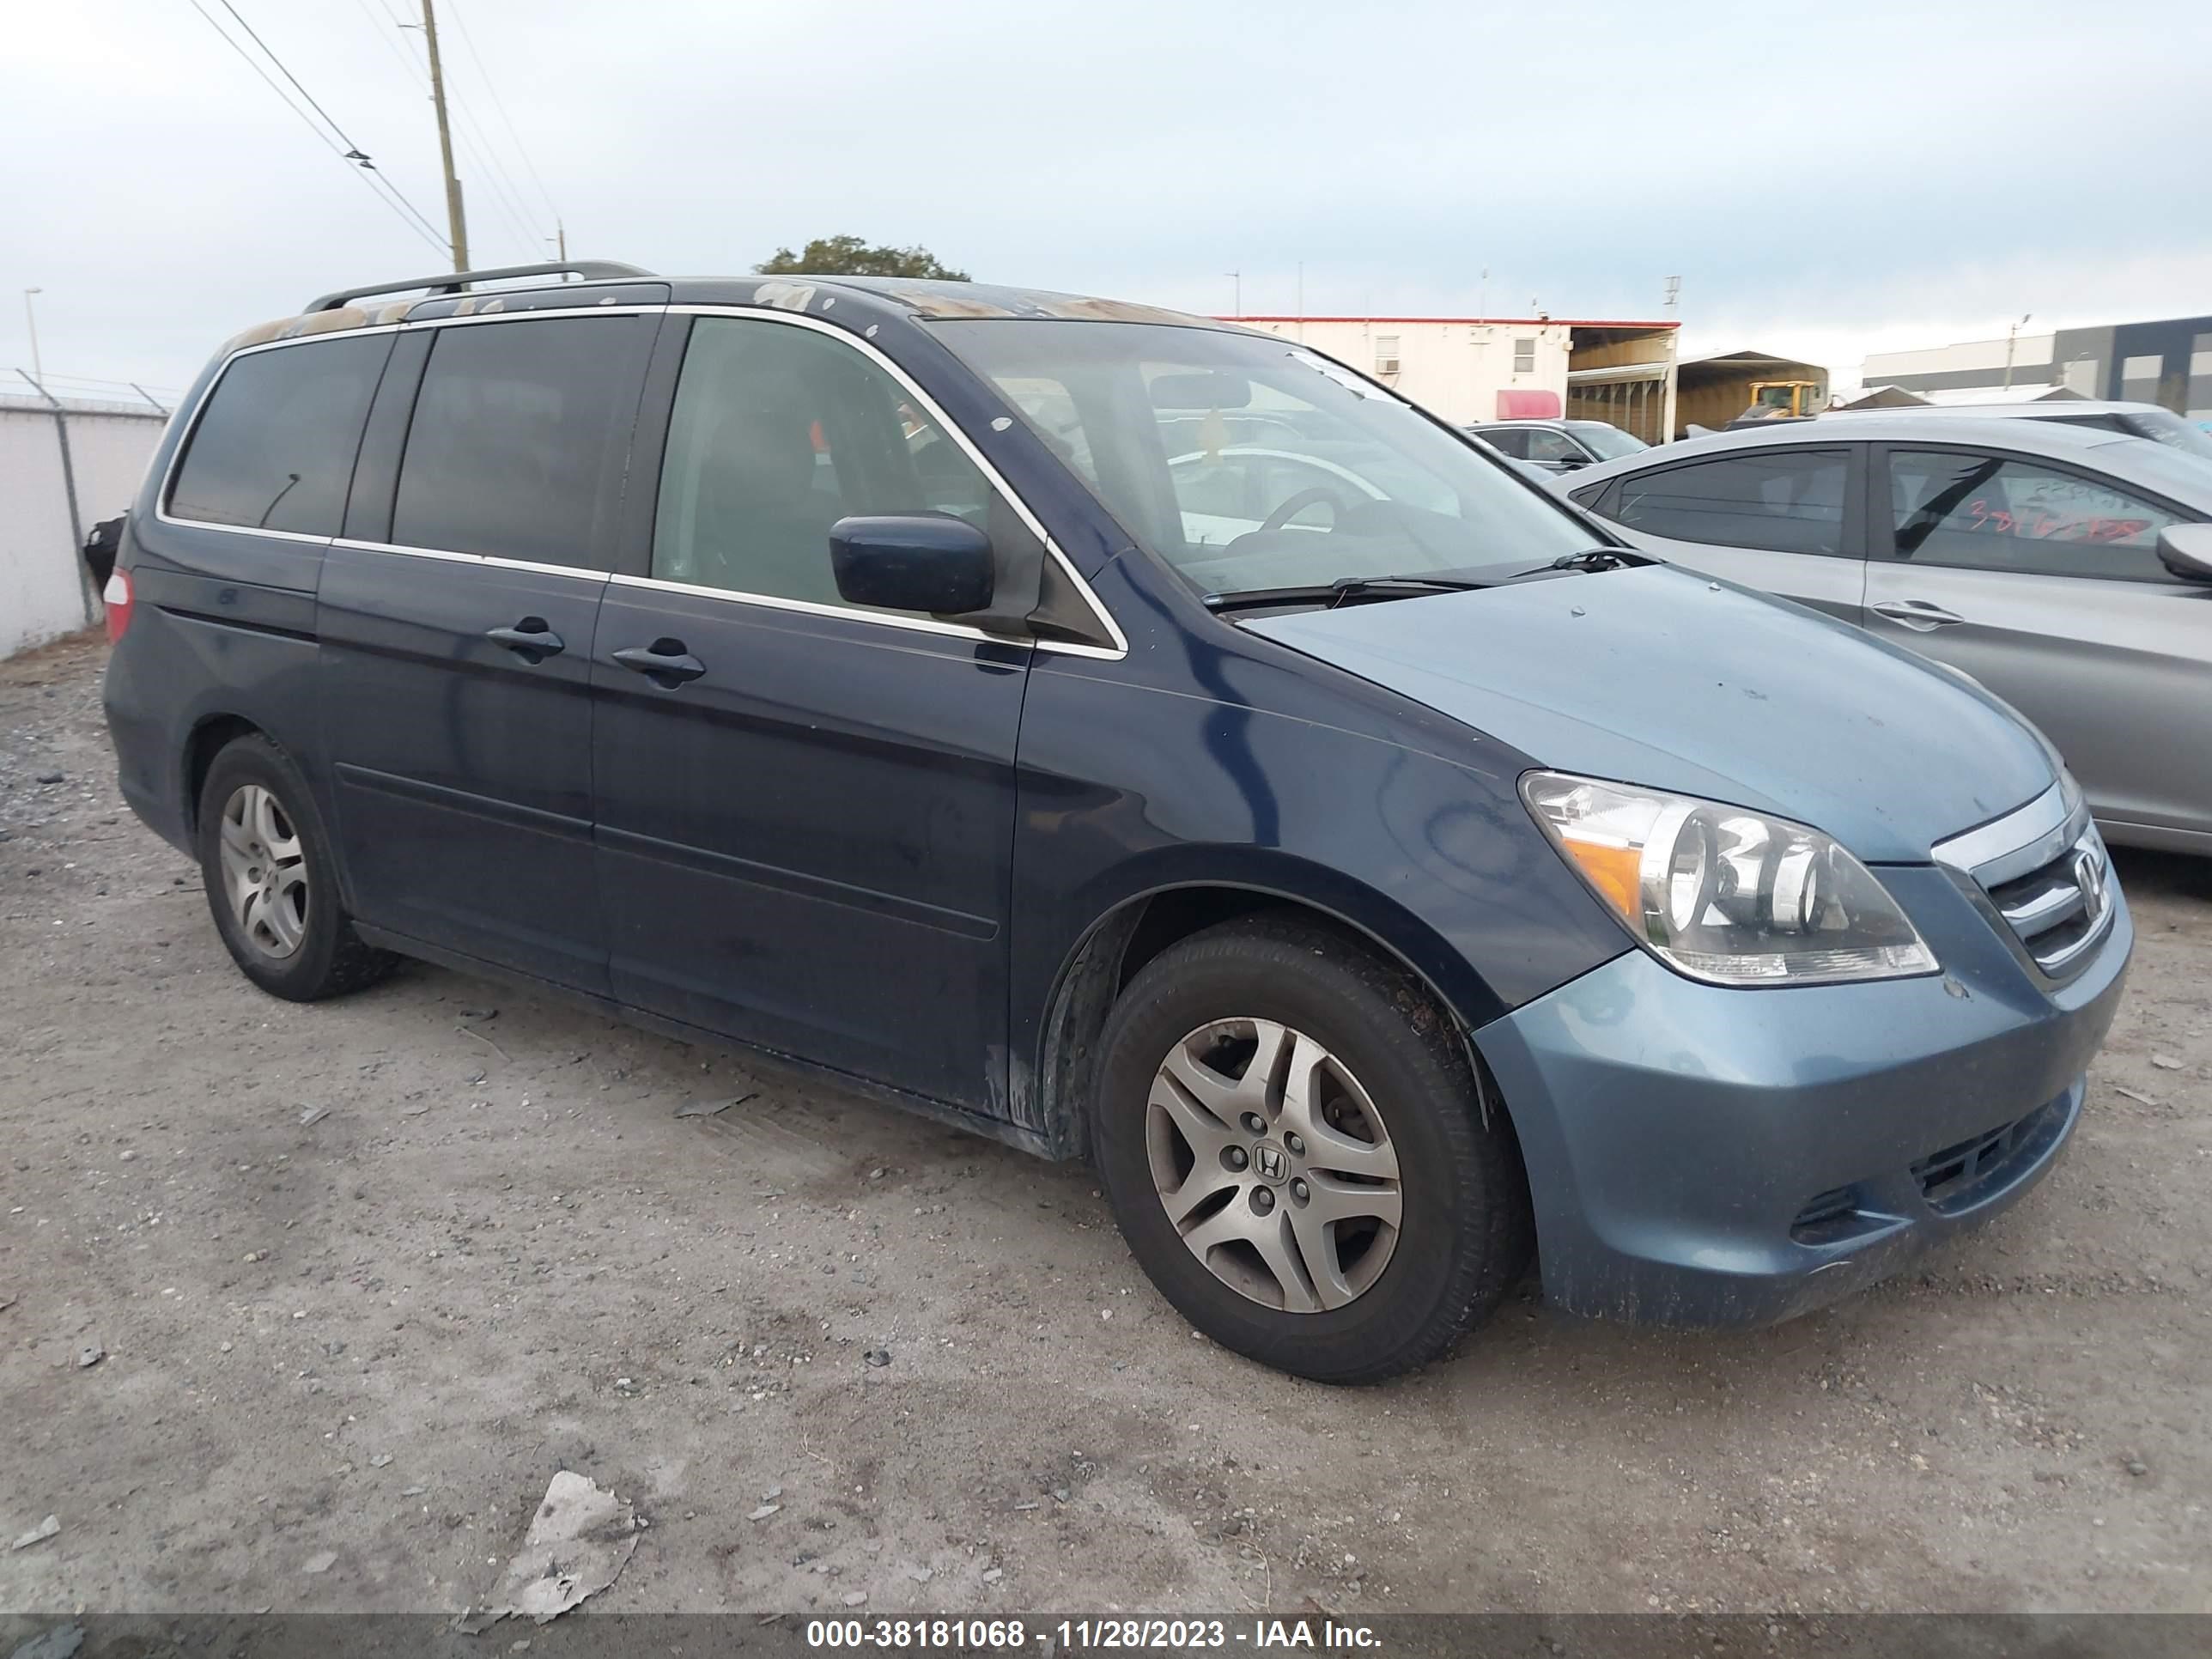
x=1130, y=789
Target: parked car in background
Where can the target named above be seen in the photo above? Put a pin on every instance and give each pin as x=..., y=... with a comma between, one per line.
x=843, y=669
x=2133, y=419
x=1557, y=446
x=2064, y=566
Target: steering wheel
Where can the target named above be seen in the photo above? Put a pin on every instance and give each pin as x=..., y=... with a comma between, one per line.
x=1299, y=502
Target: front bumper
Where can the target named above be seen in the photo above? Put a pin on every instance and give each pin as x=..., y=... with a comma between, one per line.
x=1704, y=1155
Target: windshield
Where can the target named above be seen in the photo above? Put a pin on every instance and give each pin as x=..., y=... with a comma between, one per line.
x=2170, y=429
x=1251, y=463
x=1608, y=442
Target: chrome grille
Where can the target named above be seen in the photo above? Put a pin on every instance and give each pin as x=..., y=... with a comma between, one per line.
x=2058, y=909
x=2045, y=873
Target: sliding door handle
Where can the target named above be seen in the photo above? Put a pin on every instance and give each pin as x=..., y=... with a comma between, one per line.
x=530, y=639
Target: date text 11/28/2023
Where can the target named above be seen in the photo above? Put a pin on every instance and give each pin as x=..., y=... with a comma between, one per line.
x=1077, y=1636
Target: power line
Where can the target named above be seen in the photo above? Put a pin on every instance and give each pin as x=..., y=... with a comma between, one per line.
x=356, y=152
x=353, y=152
x=500, y=104
x=382, y=188
x=504, y=193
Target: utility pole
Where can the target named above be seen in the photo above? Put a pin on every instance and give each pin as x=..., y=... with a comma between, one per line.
x=1237, y=277
x=31, y=322
x=2012, y=339
x=456, y=221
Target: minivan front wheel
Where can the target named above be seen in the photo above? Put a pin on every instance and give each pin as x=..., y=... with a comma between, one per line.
x=1288, y=1129
x=271, y=884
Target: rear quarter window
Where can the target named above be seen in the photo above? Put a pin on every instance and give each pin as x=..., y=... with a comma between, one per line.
x=274, y=448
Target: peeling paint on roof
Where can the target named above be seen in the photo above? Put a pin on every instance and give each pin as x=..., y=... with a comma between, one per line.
x=785, y=296
x=934, y=303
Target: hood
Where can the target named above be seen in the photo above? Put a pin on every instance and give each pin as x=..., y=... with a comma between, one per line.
x=1657, y=677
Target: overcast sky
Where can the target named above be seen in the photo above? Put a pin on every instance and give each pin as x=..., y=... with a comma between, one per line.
x=1825, y=179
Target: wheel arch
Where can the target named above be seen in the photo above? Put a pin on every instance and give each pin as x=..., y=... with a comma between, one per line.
x=209, y=736
x=1159, y=906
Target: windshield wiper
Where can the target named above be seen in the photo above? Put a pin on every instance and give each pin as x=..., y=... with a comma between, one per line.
x=1339, y=592
x=1601, y=558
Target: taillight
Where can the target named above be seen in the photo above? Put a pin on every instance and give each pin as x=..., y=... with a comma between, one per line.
x=117, y=594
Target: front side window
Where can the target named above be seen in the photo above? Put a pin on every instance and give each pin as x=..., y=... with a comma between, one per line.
x=777, y=432
x=1550, y=444
x=1979, y=512
x=1788, y=501
x=517, y=443
x=275, y=447
x=1248, y=462
x=1507, y=441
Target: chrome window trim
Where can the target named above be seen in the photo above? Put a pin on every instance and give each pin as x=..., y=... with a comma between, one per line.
x=867, y=349
x=586, y=572
x=814, y=608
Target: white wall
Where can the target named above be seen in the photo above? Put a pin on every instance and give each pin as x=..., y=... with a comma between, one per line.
x=2029, y=351
x=1454, y=369
x=41, y=586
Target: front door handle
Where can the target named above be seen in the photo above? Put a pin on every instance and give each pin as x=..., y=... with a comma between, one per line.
x=532, y=639
x=664, y=662
x=1919, y=615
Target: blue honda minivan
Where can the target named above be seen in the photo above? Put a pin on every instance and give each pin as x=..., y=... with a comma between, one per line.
x=1132, y=738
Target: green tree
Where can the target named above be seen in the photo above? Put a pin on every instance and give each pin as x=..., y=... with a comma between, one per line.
x=848, y=256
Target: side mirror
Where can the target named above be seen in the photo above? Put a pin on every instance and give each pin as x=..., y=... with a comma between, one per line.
x=2186, y=551
x=930, y=562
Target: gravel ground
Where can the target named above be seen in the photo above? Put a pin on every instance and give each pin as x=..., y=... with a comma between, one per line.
x=342, y=1357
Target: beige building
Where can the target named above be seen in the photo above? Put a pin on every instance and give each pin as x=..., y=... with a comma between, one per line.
x=1470, y=369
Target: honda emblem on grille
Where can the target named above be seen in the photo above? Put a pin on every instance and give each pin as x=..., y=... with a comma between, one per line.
x=2089, y=877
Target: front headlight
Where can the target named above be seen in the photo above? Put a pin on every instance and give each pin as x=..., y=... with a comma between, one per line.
x=1726, y=895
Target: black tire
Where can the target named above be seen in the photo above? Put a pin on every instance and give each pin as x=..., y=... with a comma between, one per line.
x=1465, y=1236
x=329, y=958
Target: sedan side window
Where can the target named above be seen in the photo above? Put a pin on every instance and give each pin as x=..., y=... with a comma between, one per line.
x=1790, y=501
x=1506, y=440
x=1547, y=445
x=1979, y=512
x=779, y=432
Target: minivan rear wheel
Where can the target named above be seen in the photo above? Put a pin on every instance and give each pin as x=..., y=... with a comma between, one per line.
x=270, y=881
x=1289, y=1131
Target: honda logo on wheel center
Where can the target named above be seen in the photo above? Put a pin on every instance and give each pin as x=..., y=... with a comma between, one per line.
x=1271, y=1163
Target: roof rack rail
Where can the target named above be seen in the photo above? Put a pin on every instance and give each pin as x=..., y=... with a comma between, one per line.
x=454, y=282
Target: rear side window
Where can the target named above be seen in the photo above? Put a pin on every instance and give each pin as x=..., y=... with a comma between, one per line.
x=1506, y=440
x=518, y=436
x=1791, y=502
x=1991, y=512
x=275, y=447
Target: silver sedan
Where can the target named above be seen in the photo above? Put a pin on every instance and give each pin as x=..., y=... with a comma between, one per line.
x=2068, y=570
